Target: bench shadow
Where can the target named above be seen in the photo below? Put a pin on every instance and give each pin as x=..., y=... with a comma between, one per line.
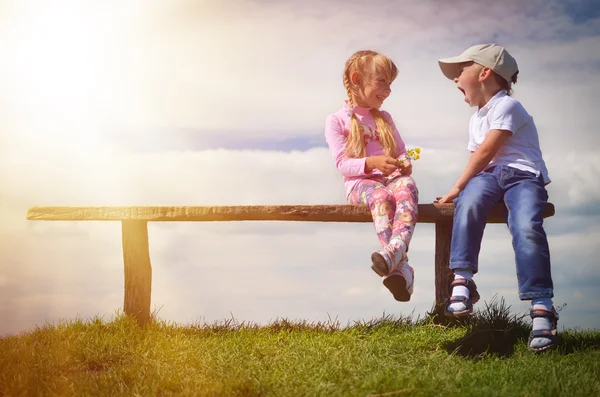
x=501, y=342
x=488, y=341
x=492, y=330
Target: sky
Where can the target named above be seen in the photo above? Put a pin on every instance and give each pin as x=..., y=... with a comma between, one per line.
x=181, y=102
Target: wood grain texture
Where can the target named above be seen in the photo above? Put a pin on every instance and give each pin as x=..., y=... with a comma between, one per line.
x=443, y=274
x=428, y=213
x=138, y=271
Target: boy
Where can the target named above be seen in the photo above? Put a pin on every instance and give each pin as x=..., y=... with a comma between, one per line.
x=505, y=164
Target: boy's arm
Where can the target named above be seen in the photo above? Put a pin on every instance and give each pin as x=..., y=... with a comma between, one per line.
x=477, y=162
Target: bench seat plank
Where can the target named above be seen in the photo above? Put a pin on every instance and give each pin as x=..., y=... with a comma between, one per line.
x=428, y=213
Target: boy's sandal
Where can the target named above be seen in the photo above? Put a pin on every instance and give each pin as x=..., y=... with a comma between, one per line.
x=544, y=333
x=468, y=302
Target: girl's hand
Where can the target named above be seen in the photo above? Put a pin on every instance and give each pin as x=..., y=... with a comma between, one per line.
x=449, y=197
x=385, y=164
x=405, y=167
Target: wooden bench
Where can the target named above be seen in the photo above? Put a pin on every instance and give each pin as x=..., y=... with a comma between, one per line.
x=136, y=255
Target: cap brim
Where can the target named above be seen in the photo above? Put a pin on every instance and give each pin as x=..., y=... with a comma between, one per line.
x=451, y=66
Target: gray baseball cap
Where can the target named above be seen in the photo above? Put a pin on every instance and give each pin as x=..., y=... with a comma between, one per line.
x=491, y=55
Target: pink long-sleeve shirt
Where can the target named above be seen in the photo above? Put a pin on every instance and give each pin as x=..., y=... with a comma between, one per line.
x=337, y=129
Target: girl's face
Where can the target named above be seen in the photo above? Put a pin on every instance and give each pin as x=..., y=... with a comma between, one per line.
x=374, y=88
x=469, y=83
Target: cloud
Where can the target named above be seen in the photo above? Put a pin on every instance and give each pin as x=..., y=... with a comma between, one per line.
x=193, y=65
x=223, y=103
x=257, y=271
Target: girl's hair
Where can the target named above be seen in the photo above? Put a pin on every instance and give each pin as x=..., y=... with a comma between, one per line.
x=365, y=63
x=505, y=85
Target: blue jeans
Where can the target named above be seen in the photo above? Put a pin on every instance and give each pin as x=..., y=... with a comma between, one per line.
x=525, y=197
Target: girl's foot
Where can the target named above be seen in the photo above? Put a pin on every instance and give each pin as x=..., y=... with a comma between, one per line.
x=400, y=281
x=384, y=260
x=381, y=263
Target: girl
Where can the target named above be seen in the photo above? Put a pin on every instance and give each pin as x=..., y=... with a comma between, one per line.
x=368, y=151
x=506, y=164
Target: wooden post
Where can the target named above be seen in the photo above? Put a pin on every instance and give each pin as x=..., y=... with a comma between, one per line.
x=138, y=271
x=443, y=274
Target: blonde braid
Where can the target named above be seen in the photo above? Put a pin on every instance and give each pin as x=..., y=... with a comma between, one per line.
x=355, y=145
x=386, y=134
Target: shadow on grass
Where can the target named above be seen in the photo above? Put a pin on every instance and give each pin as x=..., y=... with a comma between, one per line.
x=478, y=343
x=494, y=330
x=491, y=331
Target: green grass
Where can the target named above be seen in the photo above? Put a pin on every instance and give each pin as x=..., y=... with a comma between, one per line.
x=486, y=355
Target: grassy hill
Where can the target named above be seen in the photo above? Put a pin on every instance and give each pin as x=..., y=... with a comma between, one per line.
x=486, y=355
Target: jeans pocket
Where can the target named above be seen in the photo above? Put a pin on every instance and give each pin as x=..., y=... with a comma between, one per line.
x=522, y=174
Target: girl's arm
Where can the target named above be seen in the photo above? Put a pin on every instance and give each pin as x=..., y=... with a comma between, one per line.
x=477, y=162
x=334, y=135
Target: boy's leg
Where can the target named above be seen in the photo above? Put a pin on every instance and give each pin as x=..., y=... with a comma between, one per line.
x=525, y=199
x=471, y=210
x=470, y=217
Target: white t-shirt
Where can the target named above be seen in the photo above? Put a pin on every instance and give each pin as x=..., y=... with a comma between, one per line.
x=522, y=149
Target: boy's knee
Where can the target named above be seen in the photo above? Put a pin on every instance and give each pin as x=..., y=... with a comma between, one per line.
x=526, y=228
x=467, y=200
x=470, y=209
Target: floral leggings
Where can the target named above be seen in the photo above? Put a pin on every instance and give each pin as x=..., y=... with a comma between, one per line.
x=393, y=201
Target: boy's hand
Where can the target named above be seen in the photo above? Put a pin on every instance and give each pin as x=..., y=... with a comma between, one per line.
x=385, y=164
x=405, y=167
x=449, y=197
x=477, y=162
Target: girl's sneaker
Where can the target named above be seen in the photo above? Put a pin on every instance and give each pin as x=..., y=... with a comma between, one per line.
x=384, y=260
x=382, y=263
x=400, y=281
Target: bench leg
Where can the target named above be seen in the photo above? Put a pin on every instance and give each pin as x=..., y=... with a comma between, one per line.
x=138, y=271
x=443, y=274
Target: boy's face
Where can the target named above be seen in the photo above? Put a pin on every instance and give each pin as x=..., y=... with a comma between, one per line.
x=469, y=83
